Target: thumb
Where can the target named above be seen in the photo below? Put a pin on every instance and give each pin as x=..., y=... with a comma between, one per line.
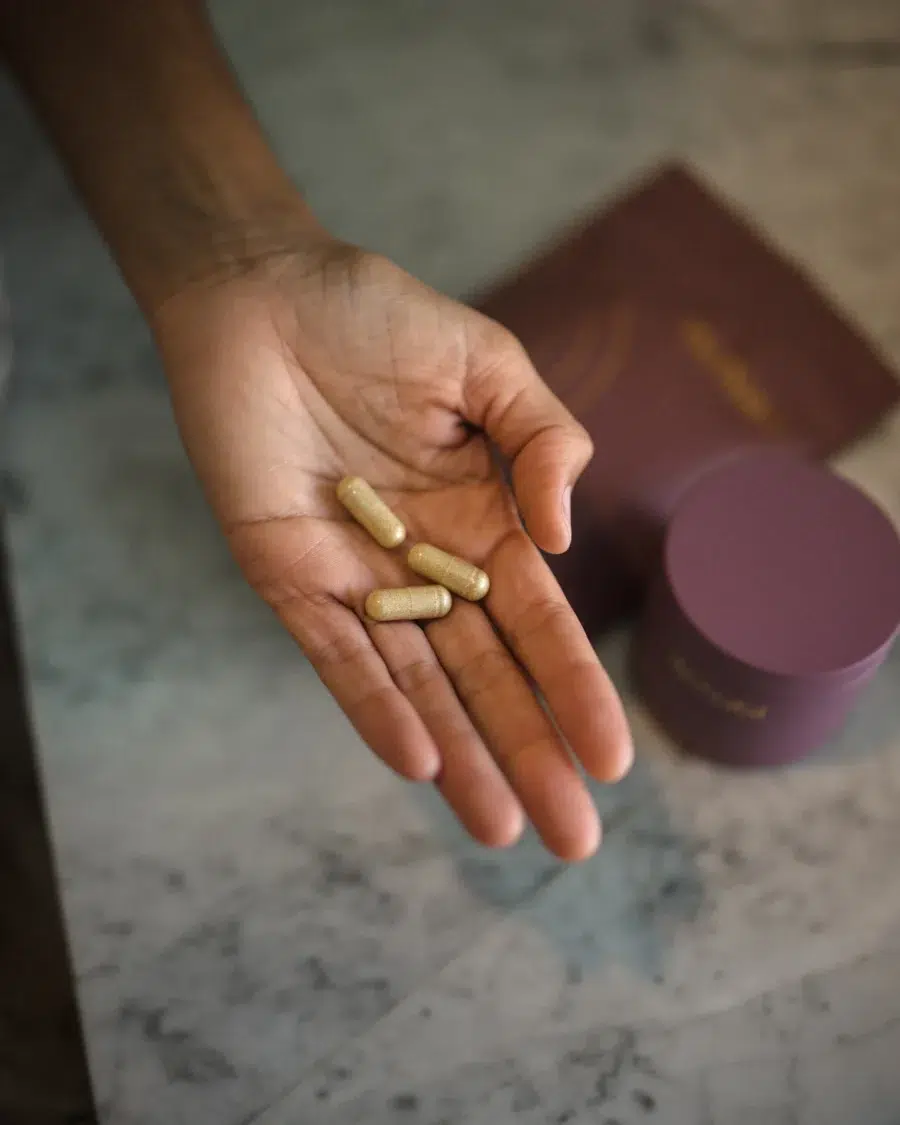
x=547, y=448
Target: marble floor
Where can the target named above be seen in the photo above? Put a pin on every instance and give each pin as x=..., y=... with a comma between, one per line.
x=266, y=926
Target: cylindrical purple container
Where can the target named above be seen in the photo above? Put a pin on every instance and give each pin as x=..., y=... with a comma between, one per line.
x=777, y=600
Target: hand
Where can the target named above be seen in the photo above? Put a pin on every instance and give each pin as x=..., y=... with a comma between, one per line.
x=320, y=361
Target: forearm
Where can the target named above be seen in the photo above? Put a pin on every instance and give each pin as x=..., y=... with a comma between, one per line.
x=156, y=135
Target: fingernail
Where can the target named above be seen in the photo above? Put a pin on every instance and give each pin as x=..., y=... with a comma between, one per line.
x=567, y=510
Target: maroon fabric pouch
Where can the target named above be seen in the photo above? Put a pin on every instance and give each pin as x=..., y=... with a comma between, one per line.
x=677, y=334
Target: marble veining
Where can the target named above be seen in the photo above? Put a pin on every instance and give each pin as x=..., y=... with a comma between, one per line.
x=821, y=1048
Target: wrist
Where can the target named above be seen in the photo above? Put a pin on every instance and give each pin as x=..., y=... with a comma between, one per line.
x=204, y=246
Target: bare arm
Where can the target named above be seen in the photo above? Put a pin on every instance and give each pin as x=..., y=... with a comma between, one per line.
x=284, y=380
x=156, y=134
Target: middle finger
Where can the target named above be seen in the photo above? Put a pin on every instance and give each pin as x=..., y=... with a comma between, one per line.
x=469, y=779
x=515, y=728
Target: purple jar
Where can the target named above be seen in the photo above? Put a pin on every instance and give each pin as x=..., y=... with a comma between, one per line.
x=777, y=601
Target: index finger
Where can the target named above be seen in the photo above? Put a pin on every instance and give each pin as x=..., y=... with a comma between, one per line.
x=540, y=627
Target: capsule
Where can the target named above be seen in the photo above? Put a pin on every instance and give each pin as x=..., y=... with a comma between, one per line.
x=367, y=508
x=409, y=603
x=463, y=578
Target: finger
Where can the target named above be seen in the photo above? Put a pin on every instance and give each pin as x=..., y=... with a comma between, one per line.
x=547, y=447
x=519, y=734
x=470, y=780
x=538, y=624
x=340, y=650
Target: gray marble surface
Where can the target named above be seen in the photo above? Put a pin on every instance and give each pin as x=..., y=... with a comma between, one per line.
x=267, y=926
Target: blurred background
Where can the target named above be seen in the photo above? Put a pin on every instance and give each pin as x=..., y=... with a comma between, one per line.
x=265, y=926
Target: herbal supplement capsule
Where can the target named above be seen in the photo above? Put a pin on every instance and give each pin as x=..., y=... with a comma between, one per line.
x=408, y=603
x=456, y=574
x=367, y=508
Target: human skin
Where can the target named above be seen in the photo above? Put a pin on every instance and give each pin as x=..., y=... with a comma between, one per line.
x=294, y=359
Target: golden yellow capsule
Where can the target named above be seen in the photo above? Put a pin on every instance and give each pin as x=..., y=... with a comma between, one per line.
x=408, y=603
x=367, y=508
x=463, y=578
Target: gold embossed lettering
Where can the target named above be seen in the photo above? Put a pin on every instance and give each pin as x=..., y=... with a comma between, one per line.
x=753, y=712
x=731, y=373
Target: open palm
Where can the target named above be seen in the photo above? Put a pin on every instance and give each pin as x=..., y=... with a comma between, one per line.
x=314, y=364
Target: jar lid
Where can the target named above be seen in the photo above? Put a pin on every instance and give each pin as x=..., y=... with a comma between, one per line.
x=785, y=566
